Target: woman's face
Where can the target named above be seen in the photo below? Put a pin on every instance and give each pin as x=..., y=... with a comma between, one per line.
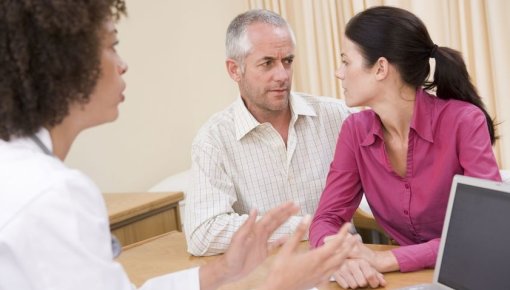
x=108, y=92
x=358, y=80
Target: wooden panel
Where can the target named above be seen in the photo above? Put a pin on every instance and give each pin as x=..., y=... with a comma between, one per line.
x=122, y=206
x=148, y=227
x=138, y=216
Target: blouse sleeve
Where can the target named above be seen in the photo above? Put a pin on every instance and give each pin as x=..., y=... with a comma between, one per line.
x=475, y=150
x=342, y=193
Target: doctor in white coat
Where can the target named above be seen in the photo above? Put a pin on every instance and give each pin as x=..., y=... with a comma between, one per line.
x=60, y=74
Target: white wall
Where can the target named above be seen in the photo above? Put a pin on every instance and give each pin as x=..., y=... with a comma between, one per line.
x=176, y=81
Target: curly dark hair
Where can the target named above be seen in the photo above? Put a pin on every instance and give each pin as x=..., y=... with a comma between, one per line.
x=49, y=58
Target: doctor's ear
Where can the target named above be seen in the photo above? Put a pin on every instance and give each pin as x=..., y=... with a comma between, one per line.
x=233, y=69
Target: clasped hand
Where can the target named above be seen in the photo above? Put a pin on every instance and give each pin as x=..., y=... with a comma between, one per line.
x=362, y=268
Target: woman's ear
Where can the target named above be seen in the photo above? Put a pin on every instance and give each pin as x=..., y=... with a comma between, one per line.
x=381, y=67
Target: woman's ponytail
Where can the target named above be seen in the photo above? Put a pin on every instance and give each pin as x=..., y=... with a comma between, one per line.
x=452, y=81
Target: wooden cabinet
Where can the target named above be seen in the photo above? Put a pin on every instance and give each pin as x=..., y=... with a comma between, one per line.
x=138, y=216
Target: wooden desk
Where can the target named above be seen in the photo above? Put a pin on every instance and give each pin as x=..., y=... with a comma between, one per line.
x=167, y=253
x=138, y=216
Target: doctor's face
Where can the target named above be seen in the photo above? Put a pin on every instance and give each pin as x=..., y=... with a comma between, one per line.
x=103, y=105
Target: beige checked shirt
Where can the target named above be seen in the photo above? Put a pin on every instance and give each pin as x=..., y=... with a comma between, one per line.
x=239, y=164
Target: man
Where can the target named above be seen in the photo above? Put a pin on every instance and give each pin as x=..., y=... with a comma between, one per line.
x=268, y=147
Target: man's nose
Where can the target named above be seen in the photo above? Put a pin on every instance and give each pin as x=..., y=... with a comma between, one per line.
x=281, y=73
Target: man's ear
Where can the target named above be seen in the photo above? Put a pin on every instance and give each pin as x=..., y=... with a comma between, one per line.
x=233, y=69
x=381, y=67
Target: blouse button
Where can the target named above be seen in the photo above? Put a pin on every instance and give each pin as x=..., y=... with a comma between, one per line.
x=406, y=185
x=406, y=212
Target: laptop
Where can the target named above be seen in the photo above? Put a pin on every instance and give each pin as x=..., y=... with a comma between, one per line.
x=474, y=252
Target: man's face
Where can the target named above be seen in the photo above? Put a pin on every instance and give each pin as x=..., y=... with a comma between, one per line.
x=266, y=79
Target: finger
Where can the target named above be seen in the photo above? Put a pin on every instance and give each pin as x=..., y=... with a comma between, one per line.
x=382, y=281
x=371, y=275
x=275, y=244
x=334, y=257
x=294, y=241
x=335, y=242
x=358, y=237
x=274, y=218
x=341, y=281
x=323, y=283
x=358, y=275
x=328, y=238
x=247, y=226
x=347, y=275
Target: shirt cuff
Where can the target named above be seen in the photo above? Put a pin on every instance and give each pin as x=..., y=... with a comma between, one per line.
x=288, y=228
x=417, y=257
x=187, y=279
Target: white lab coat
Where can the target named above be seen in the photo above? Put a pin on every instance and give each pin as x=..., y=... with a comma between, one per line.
x=54, y=230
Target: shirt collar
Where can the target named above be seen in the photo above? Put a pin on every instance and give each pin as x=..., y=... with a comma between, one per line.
x=422, y=116
x=245, y=122
x=375, y=130
x=421, y=121
x=28, y=143
x=300, y=107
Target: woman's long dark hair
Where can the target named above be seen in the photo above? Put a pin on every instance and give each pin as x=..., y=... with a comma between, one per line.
x=402, y=38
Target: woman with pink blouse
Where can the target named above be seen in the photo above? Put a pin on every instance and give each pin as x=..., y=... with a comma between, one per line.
x=403, y=152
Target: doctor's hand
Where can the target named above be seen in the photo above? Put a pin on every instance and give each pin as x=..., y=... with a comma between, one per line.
x=248, y=248
x=294, y=270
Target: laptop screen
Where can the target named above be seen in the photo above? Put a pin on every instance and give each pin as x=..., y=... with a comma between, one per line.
x=476, y=253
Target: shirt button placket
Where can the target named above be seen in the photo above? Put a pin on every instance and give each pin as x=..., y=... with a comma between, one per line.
x=408, y=197
x=408, y=205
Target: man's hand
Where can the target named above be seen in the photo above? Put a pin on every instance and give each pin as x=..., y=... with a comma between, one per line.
x=303, y=270
x=249, y=248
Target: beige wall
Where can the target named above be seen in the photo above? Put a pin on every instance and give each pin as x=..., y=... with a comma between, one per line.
x=176, y=80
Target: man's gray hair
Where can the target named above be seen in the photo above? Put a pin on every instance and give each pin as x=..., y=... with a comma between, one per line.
x=237, y=43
